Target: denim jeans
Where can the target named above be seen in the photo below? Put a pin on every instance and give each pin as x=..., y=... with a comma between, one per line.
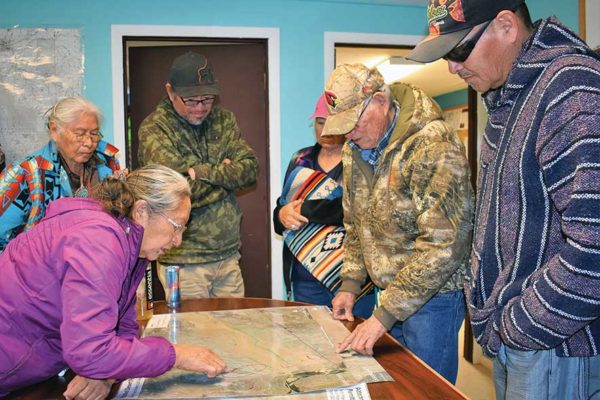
x=313, y=292
x=542, y=375
x=432, y=332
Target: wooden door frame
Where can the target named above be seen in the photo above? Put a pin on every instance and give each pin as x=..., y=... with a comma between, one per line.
x=119, y=32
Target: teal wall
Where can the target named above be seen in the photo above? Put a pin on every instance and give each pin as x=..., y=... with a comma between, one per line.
x=301, y=24
x=452, y=99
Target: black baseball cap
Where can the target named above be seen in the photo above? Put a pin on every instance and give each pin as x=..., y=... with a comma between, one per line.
x=451, y=20
x=192, y=75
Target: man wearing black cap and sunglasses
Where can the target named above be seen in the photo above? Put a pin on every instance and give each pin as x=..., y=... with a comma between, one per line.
x=534, y=290
x=191, y=134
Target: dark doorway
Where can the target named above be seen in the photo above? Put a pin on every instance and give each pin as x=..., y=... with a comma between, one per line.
x=241, y=68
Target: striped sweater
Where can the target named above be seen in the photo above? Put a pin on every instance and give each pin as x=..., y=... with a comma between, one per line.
x=535, y=281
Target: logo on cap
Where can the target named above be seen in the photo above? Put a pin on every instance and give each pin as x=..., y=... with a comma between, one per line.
x=332, y=99
x=205, y=75
x=456, y=11
x=437, y=14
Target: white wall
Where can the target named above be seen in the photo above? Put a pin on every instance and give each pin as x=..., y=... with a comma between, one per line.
x=592, y=26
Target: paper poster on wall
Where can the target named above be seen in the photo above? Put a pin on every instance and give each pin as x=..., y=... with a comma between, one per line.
x=37, y=67
x=458, y=118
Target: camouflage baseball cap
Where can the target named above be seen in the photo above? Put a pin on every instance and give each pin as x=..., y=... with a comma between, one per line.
x=192, y=75
x=451, y=20
x=348, y=88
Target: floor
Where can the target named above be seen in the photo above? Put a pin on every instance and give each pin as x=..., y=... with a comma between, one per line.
x=475, y=380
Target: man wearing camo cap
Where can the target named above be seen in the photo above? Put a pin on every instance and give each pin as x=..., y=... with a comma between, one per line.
x=190, y=133
x=408, y=206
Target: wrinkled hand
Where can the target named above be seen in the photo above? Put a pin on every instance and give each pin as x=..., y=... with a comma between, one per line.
x=363, y=338
x=81, y=388
x=342, y=305
x=290, y=216
x=198, y=359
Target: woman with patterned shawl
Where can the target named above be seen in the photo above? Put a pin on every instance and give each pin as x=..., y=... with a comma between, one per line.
x=309, y=217
x=74, y=160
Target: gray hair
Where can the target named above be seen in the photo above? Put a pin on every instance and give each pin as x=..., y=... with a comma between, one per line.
x=69, y=110
x=161, y=187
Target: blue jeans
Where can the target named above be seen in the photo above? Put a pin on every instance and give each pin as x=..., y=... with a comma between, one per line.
x=432, y=332
x=313, y=292
x=542, y=375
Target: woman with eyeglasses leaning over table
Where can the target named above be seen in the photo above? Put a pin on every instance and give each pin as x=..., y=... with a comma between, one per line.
x=74, y=160
x=67, y=293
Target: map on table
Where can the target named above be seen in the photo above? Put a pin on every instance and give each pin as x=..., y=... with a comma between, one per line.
x=269, y=351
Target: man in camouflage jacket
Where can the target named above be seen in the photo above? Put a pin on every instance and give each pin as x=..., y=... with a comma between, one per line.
x=190, y=134
x=408, y=206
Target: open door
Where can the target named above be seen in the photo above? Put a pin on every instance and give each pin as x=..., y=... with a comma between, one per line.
x=240, y=66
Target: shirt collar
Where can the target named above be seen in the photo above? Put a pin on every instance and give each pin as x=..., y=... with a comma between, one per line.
x=373, y=155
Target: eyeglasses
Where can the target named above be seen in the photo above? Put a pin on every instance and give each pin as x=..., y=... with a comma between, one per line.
x=462, y=51
x=194, y=103
x=364, y=107
x=179, y=228
x=80, y=135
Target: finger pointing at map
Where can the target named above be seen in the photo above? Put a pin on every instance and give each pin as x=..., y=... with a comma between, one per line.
x=363, y=338
x=199, y=359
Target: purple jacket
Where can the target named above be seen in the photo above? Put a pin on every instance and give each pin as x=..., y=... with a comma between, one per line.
x=67, y=298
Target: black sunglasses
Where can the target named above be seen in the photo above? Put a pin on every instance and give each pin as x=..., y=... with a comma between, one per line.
x=462, y=51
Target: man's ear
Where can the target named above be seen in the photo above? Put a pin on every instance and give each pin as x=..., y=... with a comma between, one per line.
x=507, y=25
x=382, y=101
x=170, y=92
x=379, y=98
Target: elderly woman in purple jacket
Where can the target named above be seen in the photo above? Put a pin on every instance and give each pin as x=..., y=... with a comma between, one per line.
x=67, y=292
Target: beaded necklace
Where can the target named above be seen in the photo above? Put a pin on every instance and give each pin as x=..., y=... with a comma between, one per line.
x=81, y=182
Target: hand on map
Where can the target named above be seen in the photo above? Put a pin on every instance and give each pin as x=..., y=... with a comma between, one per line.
x=198, y=359
x=290, y=216
x=363, y=338
x=81, y=388
x=342, y=305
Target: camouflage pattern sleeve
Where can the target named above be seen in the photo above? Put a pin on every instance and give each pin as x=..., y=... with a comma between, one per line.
x=354, y=270
x=438, y=175
x=157, y=146
x=242, y=168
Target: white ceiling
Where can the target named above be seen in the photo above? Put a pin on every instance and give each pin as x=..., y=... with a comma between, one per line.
x=433, y=78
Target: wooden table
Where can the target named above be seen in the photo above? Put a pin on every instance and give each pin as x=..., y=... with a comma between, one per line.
x=413, y=378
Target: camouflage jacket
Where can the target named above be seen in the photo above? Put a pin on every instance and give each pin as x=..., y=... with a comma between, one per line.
x=409, y=222
x=213, y=231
